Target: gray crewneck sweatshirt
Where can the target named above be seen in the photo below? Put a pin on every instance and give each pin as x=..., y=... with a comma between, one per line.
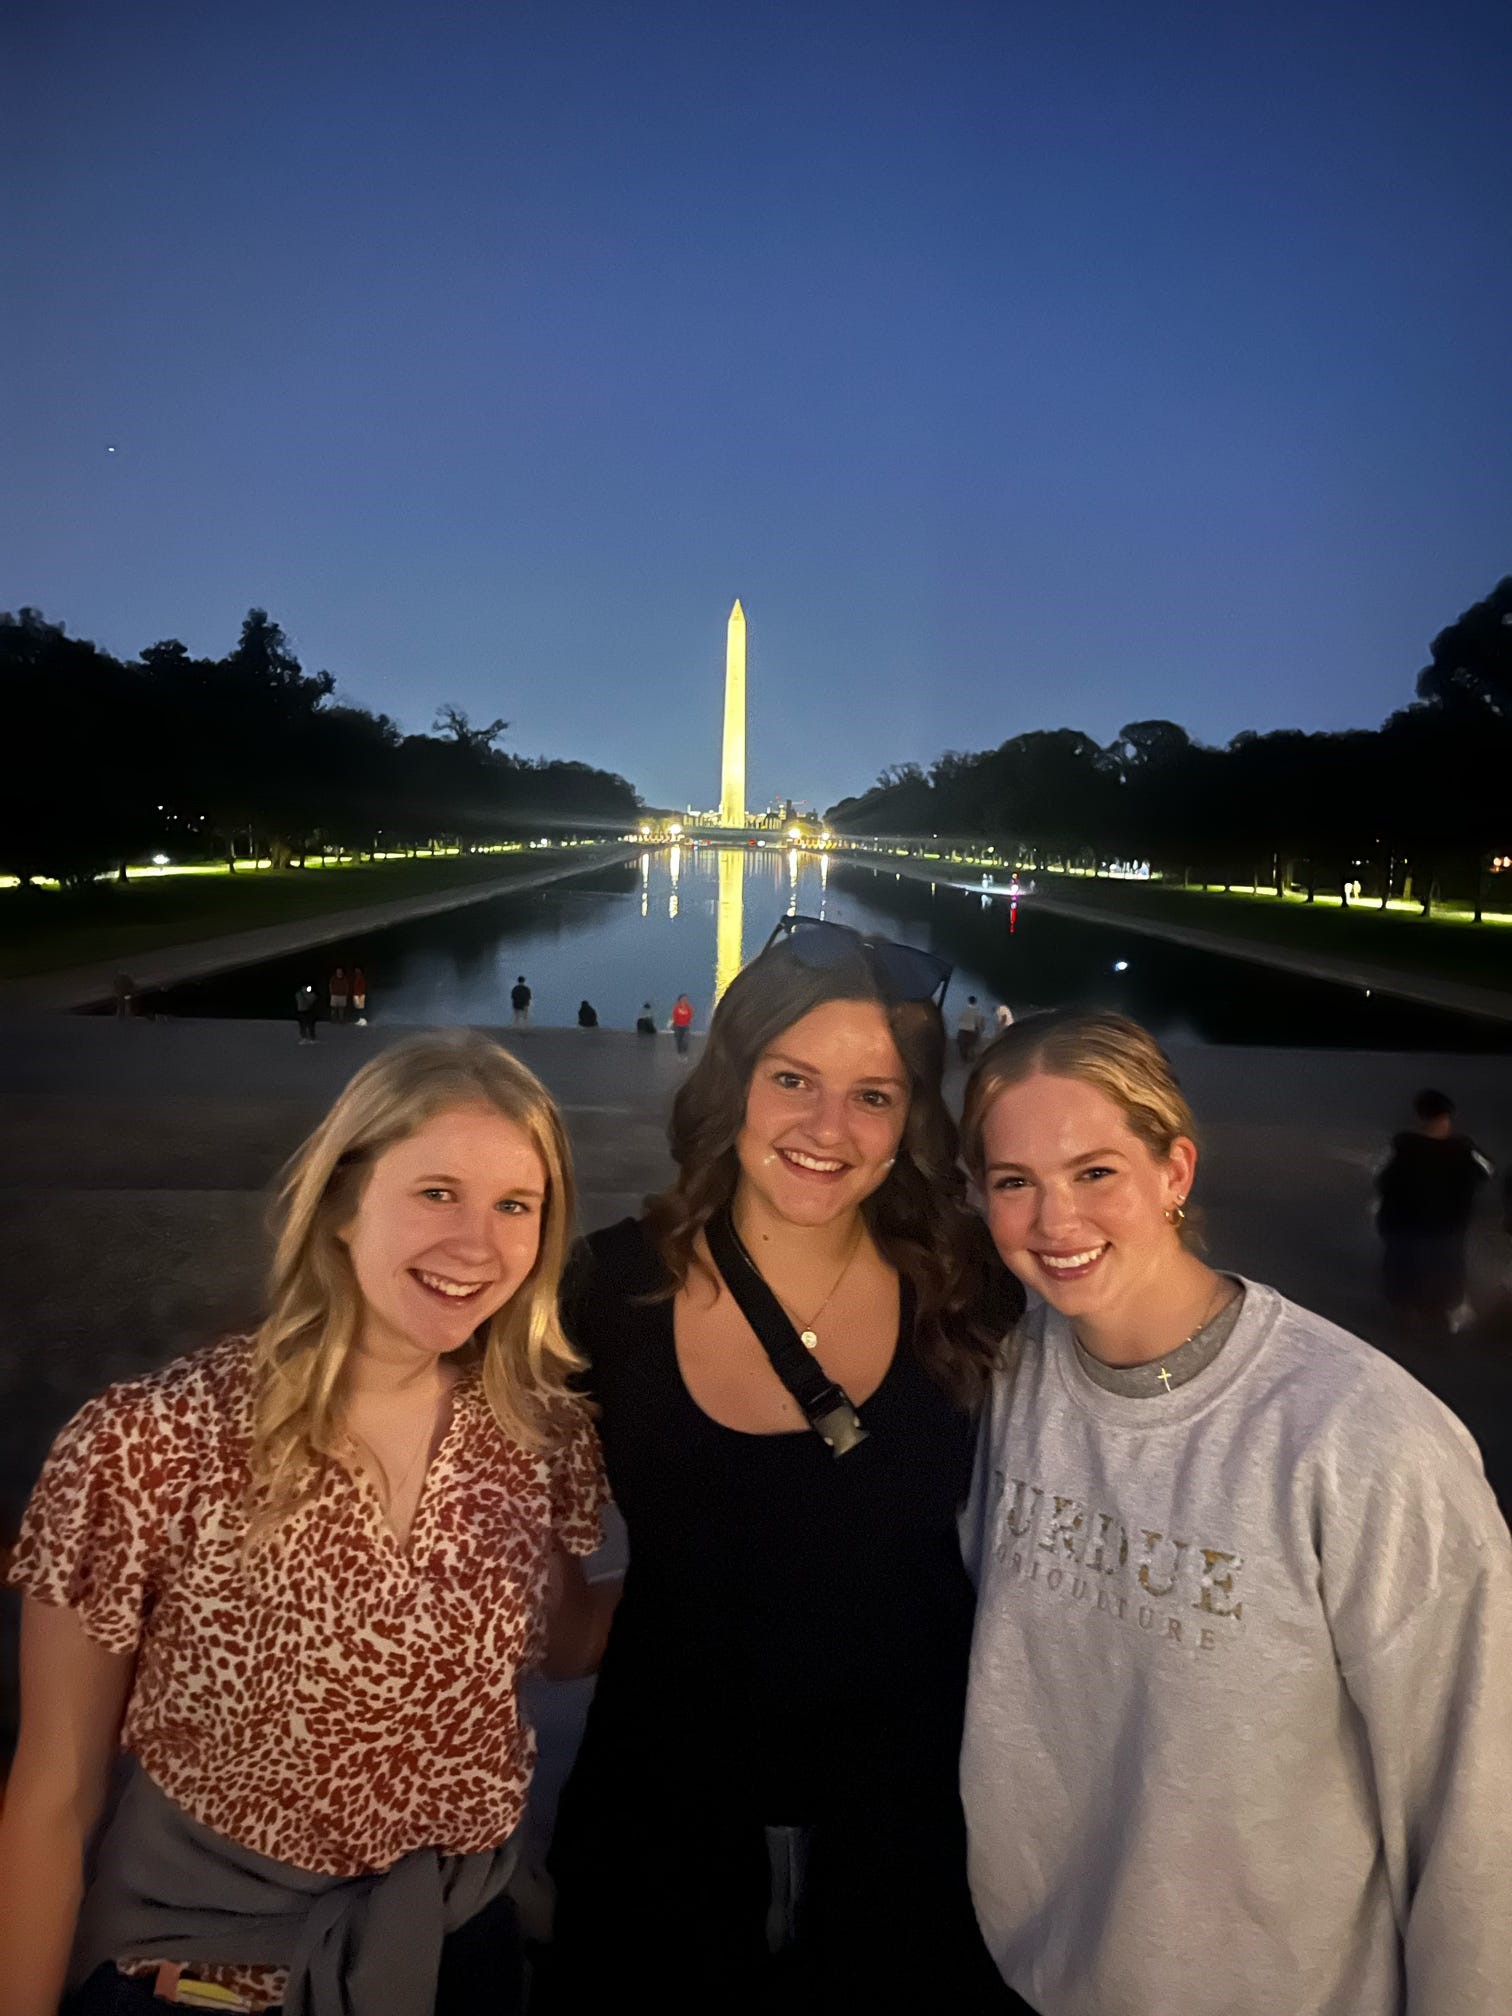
x=1239, y=1733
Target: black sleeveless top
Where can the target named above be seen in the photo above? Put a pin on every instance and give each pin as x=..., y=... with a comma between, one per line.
x=793, y=1623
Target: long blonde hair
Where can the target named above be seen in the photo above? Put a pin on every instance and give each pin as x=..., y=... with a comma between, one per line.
x=314, y=1306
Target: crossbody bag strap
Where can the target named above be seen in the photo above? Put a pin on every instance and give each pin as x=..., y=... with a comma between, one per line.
x=826, y=1407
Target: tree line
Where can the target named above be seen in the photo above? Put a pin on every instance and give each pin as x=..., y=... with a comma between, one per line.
x=1421, y=806
x=245, y=757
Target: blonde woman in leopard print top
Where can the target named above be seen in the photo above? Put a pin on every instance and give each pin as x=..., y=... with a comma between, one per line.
x=297, y=1575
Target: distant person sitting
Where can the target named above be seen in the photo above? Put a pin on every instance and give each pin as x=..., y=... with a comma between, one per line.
x=969, y=1029
x=1427, y=1188
x=306, y=1008
x=645, y=1022
x=519, y=1001
x=587, y=1015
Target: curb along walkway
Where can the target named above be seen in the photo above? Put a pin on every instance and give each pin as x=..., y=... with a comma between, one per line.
x=171, y=965
x=1458, y=996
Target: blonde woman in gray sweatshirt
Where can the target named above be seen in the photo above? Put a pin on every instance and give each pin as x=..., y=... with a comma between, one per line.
x=1239, y=1731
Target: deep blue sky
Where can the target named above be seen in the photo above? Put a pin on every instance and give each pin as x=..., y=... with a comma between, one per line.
x=1017, y=366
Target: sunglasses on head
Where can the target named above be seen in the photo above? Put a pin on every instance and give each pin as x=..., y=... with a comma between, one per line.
x=906, y=973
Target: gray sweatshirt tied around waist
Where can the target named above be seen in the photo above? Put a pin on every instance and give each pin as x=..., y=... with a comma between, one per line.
x=167, y=1888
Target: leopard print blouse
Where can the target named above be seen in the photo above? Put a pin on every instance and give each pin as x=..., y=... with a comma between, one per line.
x=333, y=1700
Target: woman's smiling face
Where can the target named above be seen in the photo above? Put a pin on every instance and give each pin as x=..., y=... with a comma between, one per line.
x=825, y=1112
x=447, y=1228
x=1077, y=1204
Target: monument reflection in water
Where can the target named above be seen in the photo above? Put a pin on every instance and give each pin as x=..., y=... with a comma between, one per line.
x=729, y=919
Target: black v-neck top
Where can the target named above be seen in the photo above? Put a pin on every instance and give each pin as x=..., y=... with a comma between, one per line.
x=790, y=1618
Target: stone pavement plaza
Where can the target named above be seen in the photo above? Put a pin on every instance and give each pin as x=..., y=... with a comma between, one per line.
x=138, y=1158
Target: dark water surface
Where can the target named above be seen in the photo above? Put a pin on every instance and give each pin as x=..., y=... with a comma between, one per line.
x=687, y=918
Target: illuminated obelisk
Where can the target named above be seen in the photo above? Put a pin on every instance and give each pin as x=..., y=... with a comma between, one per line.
x=732, y=805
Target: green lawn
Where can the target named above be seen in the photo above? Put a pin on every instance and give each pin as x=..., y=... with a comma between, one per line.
x=1451, y=947
x=46, y=930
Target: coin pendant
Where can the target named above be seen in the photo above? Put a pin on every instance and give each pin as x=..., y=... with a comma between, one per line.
x=809, y=1338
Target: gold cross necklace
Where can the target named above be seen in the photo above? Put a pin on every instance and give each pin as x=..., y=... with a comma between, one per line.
x=1215, y=1302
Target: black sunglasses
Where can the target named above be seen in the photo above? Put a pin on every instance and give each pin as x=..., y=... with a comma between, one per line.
x=906, y=973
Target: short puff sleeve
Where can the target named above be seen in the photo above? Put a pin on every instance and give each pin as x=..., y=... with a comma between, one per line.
x=579, y=1491
x=92, y=1539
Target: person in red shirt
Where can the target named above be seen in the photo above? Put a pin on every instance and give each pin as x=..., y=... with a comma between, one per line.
x=297, y=1576
x=682, y=1022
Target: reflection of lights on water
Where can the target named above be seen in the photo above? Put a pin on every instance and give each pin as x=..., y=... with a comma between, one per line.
x=674, y=862
x=1013, y=917
x=729, y=919
x=824, y=869
x=645, y=884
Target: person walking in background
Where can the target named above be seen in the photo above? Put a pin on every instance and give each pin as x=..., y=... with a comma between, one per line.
x=125, y=991
x=1003, y=1016
x=359, y=996
x=306, y=1008
x=1427, y=1188
x=296, y=1578
x=519, y=1001
x=682, y=1022
x=969, y=1029
x=645, y=1022
x=587, y=1015
x=1244, y=1615
x=341, y=992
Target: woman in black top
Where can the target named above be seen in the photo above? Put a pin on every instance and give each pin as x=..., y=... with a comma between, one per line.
x=777, y=1720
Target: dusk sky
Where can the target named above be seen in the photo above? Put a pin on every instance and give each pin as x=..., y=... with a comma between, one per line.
x=1016, y=366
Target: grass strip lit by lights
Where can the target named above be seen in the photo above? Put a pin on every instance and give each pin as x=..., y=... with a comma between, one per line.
x=1448, y=945
x=47, y=929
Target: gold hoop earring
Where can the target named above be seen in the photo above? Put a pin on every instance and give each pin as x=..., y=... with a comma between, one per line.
x=1176, y=1215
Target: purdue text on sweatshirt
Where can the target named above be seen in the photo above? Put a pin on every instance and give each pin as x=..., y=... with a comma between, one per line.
x=1239, y=1732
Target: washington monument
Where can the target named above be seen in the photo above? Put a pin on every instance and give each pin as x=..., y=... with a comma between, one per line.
x=732, y=791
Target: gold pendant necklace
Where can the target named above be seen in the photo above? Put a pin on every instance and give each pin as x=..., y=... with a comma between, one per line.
x=808, y=1336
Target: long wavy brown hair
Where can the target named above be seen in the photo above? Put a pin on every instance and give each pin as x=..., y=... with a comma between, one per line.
x=919, y=1218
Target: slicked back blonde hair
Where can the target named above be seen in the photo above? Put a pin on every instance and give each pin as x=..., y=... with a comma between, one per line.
x=1108, y=1052
x=315, y=1307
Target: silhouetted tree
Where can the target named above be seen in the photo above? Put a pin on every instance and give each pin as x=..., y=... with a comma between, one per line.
x=105, y=761
x=1471, y=661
